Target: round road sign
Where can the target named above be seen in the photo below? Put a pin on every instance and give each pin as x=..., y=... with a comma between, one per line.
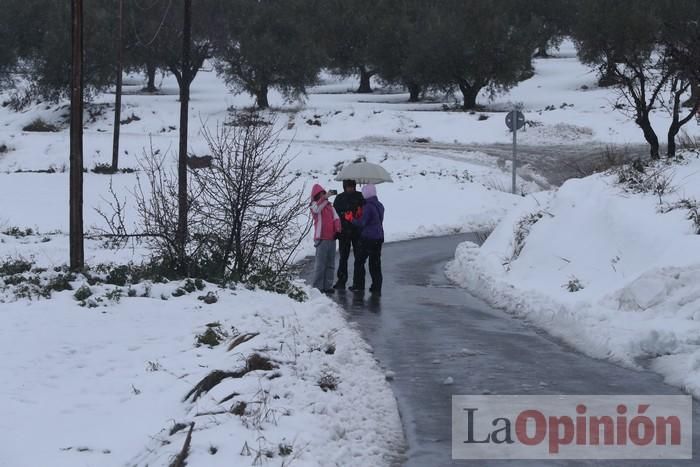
x=518, y=117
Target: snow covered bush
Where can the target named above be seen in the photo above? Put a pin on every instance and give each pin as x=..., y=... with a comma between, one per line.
x=655, y=177
x=41, y=126
x=574, y=285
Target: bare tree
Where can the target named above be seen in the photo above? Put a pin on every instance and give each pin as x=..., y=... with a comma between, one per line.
x=77, y=253
x=655, y=82
x=679, y=87
x=642, y=82
x=682, y=44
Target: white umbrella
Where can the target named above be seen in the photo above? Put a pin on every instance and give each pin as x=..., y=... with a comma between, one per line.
x=364, y=172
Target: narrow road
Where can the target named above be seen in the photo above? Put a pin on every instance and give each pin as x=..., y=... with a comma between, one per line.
x=425, y=330
x=555, y=162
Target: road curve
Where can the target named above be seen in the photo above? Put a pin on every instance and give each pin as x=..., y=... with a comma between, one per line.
x=420, y=328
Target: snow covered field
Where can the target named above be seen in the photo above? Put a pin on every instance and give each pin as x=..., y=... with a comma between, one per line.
x=613, y=272
x=105, y=386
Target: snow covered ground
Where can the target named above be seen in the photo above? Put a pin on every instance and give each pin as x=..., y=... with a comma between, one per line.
x=105, y=385
x=609, y=270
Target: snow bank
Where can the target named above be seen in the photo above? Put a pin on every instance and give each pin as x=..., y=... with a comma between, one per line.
x=609, y=271
x=106, y=385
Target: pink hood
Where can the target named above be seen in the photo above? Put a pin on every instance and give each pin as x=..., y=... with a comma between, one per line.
x=326, y=220
x=316, y=189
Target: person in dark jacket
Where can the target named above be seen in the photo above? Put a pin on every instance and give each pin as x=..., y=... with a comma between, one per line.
x=371, y=239
x=346, y=205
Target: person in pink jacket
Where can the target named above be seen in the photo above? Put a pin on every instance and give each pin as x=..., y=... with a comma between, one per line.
x=326, y=228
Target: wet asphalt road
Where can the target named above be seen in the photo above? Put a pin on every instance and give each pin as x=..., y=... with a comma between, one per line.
x=418, y=330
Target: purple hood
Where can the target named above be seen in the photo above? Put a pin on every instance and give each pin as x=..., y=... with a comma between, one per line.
x=372, y=219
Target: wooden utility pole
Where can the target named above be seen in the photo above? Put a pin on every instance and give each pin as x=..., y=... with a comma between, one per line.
x=118, y=91
x=186, y=79
x=77, y=252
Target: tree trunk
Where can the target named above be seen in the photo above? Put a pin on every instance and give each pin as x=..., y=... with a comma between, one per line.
x=671, y=140
x=694, y=93
x=185, y=82
x=77, y=252
x=261, y=97
x=414, y=92
x=649, y=136
x=470, y=93
x=151, y=75
x=542, y=50
x=608, y=77
x=365, y=85
x=675, y=125
x=676, y=121
x=118, y=91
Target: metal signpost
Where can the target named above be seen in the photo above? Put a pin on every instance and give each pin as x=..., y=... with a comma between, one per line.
x=515, y=120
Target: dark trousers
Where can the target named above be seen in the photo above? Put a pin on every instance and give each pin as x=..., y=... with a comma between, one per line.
x=372, y=250
x=344, y=246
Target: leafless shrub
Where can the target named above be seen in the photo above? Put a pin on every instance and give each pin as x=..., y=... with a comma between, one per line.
x=246, y=212
x=260, y=411
x=247, y=206
x=155, y=201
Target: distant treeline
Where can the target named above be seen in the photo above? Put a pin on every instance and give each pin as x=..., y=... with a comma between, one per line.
x=452, y=46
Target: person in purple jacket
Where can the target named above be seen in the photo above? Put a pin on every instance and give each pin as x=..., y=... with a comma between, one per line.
x=371, y=240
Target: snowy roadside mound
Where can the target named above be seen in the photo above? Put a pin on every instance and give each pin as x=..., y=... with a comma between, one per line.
x=611, y=268
x=266, y=380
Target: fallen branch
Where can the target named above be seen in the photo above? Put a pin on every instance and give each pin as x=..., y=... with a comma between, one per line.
x=212, y=413
x=181, y=459
x=243, y=338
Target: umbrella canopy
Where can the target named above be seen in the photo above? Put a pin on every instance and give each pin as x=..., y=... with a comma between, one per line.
x=364, y=172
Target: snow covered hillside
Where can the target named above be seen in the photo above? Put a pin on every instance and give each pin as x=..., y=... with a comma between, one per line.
x=609, y=263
